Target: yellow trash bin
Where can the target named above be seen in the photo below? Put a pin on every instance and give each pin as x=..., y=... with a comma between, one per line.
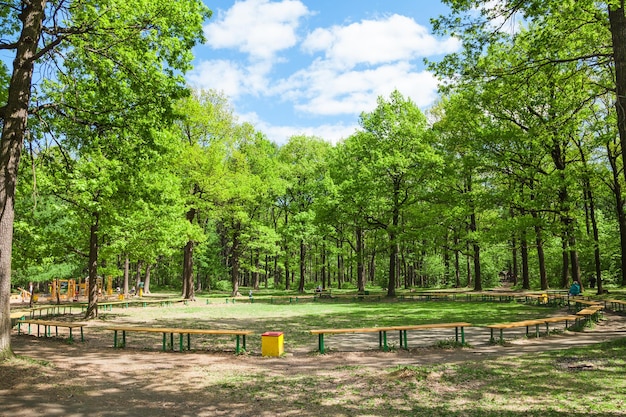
x=272, y=344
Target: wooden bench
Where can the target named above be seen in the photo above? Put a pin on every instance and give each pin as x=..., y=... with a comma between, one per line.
x=51, y=310
x=48, y=325
x=529, y=323
x=293, y=299
x=382, y=333
x=240, y=335
x=590, y=313
x=615, y=305
x=17, y=316
x=325, y=293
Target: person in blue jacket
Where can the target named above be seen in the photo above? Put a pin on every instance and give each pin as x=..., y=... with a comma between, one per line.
x=575, y=288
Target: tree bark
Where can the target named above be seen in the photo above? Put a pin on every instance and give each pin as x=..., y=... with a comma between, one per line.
x=302, y=266
x=14, y=116
x=92, y=306
x=188, y=289
x=617, y=26
x=146, y=284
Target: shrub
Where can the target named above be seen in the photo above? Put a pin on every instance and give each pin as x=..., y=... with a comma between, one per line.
x=223, y=285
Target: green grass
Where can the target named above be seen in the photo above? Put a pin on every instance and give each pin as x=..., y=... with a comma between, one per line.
x=295, y=320
x=546, y=384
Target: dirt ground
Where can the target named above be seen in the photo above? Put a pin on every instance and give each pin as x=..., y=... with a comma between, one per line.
x=54, y=378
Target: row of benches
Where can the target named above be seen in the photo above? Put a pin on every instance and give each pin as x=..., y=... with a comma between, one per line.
x=59, y=309
x=168, y=333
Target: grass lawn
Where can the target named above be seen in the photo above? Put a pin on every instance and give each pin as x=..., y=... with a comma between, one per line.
x=295, y=320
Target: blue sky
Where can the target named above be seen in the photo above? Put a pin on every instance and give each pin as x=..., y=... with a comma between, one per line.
x=311, y=67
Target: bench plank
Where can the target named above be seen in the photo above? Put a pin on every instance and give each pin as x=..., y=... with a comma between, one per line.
x=239, y=334
x=528, y=324
x=48, y=324
x=382, y=333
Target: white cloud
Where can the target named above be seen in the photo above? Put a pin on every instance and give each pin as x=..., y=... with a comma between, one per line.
x=320, y=90
x=332, y=133
x=259, y=28
x=374, y=42
x=230, y=77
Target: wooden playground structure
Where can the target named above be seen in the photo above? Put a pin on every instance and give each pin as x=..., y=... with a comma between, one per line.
x=66, y=290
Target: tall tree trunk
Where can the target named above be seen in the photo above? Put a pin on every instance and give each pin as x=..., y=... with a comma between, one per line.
x=257, y=268
x=92, y=306
x=234, y=259
x=126, y=275
x=146, y=284
x=616, y=186
x=543, y=275
x=188, y=287
x=565, y=266
x=457, y=265
x=525, y=269
x=14, y=116
x=392, y=232
x=302, y=265
x=360, y=259
x=617, y=26
x=138, y=277
x=478, y=283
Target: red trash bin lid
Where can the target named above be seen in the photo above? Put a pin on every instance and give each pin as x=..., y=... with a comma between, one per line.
x=272, y=334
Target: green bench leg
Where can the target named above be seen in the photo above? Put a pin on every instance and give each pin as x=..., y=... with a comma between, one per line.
x=71, y=334
x=164, y=340
x=188, y=341
x=320, y=343
x=172, y=341
x=383, y=334
x=237, y=350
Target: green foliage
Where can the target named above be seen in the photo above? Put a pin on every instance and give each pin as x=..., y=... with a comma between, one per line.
x=223, y=285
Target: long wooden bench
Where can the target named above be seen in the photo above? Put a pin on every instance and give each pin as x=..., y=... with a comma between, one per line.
x=382, y=333
x=48, y=325
x=615, y=305
x=51, y=310
x=240, y=335
x=590, y=313
x=529, y=323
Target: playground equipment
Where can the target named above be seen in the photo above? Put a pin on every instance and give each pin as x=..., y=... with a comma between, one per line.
x=63, y=289
x=24, y=294
x=84, y=288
